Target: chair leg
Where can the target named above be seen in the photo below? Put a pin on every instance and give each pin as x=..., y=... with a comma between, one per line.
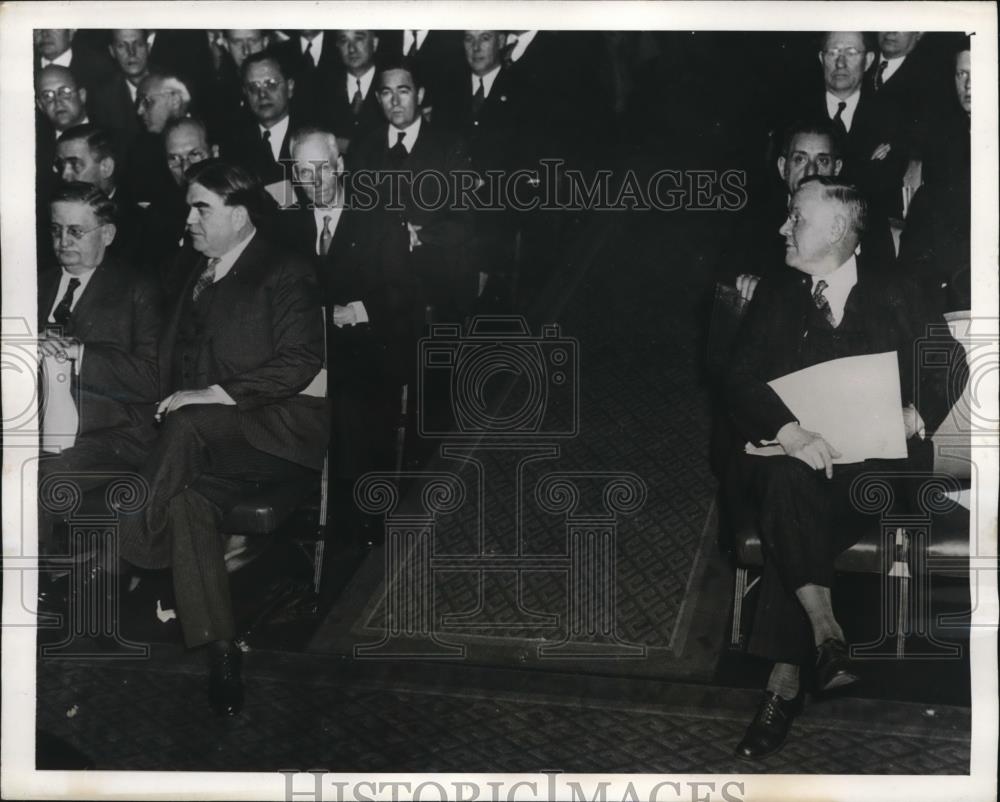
x=739, y=594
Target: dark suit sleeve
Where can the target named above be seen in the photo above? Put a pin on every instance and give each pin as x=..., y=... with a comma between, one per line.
x=128, y=372
x=757, y=410
x=297, y=351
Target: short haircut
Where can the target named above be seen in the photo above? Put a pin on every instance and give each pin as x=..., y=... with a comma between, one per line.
x=962, y=44
x=170, y=83
x=236, y=185
x=306, y=131
x=846, y=194
x=818, y=126
x=103, y=207
x=868, y=38
x=111, y=34
x=195, y=121
x=406, y=65
x=98, y=139
x=265, y=55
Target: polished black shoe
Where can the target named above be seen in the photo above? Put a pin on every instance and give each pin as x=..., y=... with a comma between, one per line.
x=769, y=728
x=225, y=684
x=834, y=668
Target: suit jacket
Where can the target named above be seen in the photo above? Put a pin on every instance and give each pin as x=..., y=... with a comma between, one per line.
x=118, y=319
x=882, y=313
x=91, y=65
x=442, y=263
x=263, y=344
x=335, y=113
x=111, y=107
x=313, y=83
x=438, y=60
x=246, y=148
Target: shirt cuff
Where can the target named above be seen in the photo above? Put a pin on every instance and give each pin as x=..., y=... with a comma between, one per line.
x=360, y=313
x=223, y=396
x=78, y=362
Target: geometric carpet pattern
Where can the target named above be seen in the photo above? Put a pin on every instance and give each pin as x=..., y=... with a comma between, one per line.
x=142, y=717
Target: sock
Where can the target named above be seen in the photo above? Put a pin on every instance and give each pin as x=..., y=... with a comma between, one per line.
x=819, y=607
x=784, y=680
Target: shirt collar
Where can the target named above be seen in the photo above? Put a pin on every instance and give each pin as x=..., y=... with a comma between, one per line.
x=411, y=134
x=408, y=40
x=228, y=259
x=63, y=59
x=64, y=280
x=839, y=284
x=488, y=80
x=278, y=132
x=317, y=43
x=366, y=82
x=833, y=102
x=523, y=40
x=891, y=65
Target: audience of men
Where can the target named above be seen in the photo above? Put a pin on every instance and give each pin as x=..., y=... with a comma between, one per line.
x=828, y=306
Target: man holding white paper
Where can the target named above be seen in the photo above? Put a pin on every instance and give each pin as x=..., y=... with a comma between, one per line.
x=835, y=307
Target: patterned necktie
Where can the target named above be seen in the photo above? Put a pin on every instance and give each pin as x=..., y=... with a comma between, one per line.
x=358, y=100
x=879, y=76
x=822, y=304
x=206, y=279
x=838, y=119
x=325, y=236
x=398, y=151
x=62, y=311
x=478, y=98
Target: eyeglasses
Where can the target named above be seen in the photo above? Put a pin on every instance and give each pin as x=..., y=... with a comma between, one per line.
x=186, y=159
x=849, y=53
x=63, y=93
x=270, y=85
x=75, y=232
x=309, y=174
x=74, y=164
x=146, y=101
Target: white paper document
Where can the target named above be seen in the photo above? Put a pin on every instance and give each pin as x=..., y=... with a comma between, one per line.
x=854, y=402
x=60, y=417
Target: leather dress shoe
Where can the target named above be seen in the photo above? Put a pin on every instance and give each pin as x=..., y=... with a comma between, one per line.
x=769, y=728
x=225, y=684
x=834, y=668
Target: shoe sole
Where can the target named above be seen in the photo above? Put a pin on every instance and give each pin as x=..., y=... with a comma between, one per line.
x=841, y=680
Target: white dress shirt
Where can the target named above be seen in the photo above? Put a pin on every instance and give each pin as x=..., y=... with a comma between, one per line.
x=228, y=259
x=278, y=133
x=366, y=83
x=317, y=46
x=133, y=90
x=892, y=64
x=832, y=102
x=319, y=213
x=411, y=135
x=839, y=284
x=522, y=40
x=63, y=59
x=64, y=284
x=487, y=79
x=408, y=40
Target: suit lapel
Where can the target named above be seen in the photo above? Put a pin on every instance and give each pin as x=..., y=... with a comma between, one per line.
x=87, y=307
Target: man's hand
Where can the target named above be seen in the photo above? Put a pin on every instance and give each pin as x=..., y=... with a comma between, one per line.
x=414, y=236
x=344, y=316
x=881, y=152
x=810, y=447
x=182, y=398
x=746, y=284
x=59, y=347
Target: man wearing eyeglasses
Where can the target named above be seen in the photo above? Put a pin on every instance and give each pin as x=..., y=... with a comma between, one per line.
x=262, y=142
x=58, y=46
x=103, y=316
x=873, y=154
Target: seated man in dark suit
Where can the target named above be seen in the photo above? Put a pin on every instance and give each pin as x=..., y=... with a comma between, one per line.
x=829, y=306
x=87, y=153
x=351, y=109
x=437, y=58
x=261, y=144
x=430, y=240
x=241, y=352
x=114, y=104
x=104, y=315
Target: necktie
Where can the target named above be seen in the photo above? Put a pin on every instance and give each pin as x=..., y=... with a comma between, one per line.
x=325, y=236
x=206, y=279
x=478, y=98
x=398, y=150
x=358, y=100
x=838, y=120
x=822, y=304
x=412, y=49
x=62, y=311
x=266, y=139
x=879, y=80
x=307, y=56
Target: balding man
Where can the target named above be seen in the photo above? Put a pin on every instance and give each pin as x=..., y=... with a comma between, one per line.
x=57, y=46
x=828, y=306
